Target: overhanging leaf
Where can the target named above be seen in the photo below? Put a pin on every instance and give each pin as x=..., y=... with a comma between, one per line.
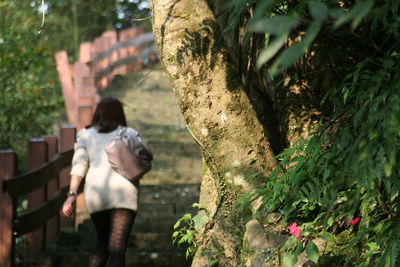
x=327, y=236
x=261, y=8
x=318, y=10
x=312, y=251
x=293, y=53
x=271, y=50
x=278, y=25
x=362, y=12
x=357, y=13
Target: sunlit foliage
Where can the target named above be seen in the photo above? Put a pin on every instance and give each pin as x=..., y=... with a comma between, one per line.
x=342, y=183
x=30, y=100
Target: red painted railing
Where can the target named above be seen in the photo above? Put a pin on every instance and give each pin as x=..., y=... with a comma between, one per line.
x=99, y=61
x=44, y=187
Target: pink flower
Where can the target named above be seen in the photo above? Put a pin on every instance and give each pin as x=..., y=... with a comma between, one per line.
x=294, y=230
x=354, y=221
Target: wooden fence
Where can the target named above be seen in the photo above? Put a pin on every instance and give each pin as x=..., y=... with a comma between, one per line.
x=44, y=187
x=99, y=62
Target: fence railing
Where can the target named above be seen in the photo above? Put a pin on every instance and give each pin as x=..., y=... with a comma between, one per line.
x=99, y=62
x=44, y=187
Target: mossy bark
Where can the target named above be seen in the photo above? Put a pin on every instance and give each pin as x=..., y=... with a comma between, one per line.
x=218, y=112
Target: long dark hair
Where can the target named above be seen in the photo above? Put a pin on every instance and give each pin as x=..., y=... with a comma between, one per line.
x=109, y=114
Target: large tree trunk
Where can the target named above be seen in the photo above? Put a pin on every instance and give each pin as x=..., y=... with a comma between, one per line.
x=231, y=110
x=219, y=115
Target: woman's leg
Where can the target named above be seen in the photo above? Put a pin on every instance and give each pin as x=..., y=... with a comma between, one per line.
x=121, y=224
x=101, y=221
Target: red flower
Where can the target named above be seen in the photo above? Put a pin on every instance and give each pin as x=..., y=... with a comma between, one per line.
x=294, y=230
x=354, y=221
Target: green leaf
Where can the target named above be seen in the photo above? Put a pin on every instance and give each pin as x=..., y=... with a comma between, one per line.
x=312, y=251
x=318, y=10
x=196, y=205
x=290, y=243
x=278, y=25
x=189, y=252
x=187, y=217
x=299, y=249
x=327, y=236
x=271, y=49
x=330, y=221
x=200, y=220
x=175, y=234
x=388, y=169
x=335, y=13
x=289, y=260
x=261, y=8
x=212, y=263
x=183, y=239
x=293, y=53
x=190, y=239
x=177, y=224
x=372, y=248
x=175, y=237
x=362, y=12
x=357, y=13
x=326, y=173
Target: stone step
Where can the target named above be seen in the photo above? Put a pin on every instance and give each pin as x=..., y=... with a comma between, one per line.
x=134, y=257
x=157, y=259
x=147, y=225
x=169, y=165
x=162, y=149
x=151, y=241
x=63, y=259
x=155, y=210
x=170, y=188
x=165, y=200
x=141, y=225
x=168, y=192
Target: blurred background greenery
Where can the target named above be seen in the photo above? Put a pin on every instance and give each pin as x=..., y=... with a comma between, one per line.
x=31, y=102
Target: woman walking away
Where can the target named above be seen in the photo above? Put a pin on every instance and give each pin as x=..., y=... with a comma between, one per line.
x=110, y=199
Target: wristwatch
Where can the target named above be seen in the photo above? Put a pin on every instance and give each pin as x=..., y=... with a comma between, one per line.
x=71, y=193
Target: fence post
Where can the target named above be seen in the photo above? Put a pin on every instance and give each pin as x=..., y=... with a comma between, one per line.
x=113, y=57
x=65, y=76
x=37, y=156
x=85, y=95
x=8, y=168
x=53, y=225
x=67, y=140
x=99, y=45
x=85, y=52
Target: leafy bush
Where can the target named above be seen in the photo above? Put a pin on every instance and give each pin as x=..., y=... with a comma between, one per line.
x=342, y=183
x=186, y=230
x=349, y=168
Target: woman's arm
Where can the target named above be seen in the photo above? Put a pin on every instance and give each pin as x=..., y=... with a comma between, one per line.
x=80, y=165
x=69, y=204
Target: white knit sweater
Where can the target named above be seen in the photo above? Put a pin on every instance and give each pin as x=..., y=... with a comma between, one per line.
x=104, y=188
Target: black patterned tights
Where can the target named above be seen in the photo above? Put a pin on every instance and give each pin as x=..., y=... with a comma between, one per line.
x=113, y=228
